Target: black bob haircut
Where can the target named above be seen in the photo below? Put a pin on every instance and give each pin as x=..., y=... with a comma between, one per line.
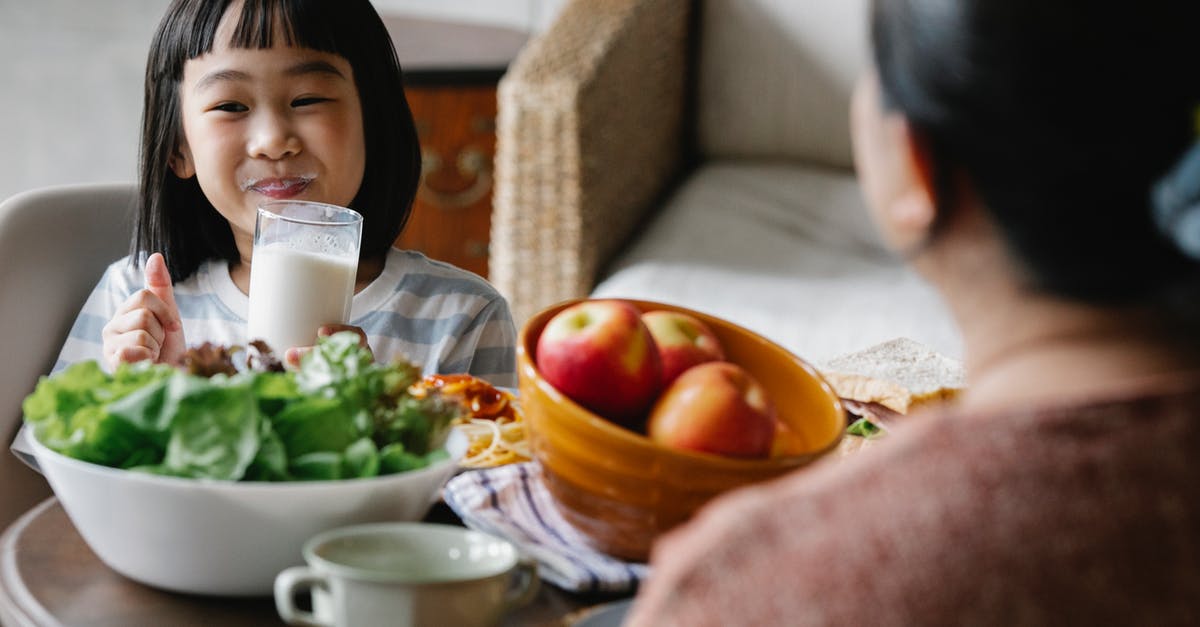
x=1063, y=115
x=174, y=217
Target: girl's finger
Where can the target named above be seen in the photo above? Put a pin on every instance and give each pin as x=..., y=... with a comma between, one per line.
x=146, y=299
x=145, y=339
x=131, y=321
x=292, y=356
x=131, y=354
x=158, y=282
x=134, y=345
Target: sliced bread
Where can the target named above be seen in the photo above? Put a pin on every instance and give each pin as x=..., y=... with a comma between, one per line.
x=900, y=374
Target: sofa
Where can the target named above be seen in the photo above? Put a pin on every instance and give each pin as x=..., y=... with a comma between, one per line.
x=698, y=153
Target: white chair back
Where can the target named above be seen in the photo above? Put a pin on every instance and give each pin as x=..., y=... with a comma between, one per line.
x=54, y=245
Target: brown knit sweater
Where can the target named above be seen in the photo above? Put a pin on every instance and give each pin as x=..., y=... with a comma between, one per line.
x=1085, y=514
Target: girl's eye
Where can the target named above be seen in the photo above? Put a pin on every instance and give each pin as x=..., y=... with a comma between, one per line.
x=309, y=100
x=231, y=107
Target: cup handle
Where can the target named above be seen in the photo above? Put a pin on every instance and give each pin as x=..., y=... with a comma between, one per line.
x=524, y=586
x=287, y=584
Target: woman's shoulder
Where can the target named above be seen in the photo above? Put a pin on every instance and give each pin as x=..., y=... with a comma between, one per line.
x=1030, y=442
x=1135, y=405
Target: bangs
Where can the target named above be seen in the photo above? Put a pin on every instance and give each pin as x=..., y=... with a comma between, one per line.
x=261, y=19
x=259, y=23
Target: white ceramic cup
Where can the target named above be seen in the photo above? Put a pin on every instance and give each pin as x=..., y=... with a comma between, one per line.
x=302, y=271
x=406, y=575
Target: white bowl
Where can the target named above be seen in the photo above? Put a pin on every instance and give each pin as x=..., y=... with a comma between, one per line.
x=225, y=538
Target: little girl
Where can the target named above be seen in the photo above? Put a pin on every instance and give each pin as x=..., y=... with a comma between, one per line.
x=255, y=100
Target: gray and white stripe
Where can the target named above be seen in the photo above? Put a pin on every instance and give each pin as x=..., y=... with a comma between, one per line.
x=430, y=313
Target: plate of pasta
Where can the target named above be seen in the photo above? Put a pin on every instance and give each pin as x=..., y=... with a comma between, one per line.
x=493, y=423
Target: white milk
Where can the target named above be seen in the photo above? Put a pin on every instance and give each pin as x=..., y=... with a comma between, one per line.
x=292, y=292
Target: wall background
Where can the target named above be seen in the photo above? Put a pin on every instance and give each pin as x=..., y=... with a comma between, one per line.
x=71, y=80
x=528, y=15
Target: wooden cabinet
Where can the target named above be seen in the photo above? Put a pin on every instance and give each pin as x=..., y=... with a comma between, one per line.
x=451, y=71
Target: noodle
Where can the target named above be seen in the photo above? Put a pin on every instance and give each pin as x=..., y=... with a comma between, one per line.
x=493, y=443
x=492, y=421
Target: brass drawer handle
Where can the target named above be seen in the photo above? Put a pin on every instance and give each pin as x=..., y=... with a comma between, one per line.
x=471, y=164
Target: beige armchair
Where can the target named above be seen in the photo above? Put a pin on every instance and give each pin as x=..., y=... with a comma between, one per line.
x=54, y=245
x=698, y=153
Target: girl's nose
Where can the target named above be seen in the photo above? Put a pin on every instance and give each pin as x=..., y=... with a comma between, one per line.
x=273, y=137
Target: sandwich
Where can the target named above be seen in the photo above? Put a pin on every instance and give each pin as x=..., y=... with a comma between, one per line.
x=901, y=375
x=881, y=384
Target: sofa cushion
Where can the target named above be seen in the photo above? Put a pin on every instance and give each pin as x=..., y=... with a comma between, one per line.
x=775, y=77
x=787, y=251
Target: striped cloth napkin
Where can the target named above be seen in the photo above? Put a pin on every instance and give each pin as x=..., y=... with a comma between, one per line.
x=512, y=502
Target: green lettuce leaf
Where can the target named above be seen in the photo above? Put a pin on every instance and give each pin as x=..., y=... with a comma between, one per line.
x=339, y=366
x=69, y=413
x=864, y=428
x=271, y=461
x=361, y=459
x=319, y=466
x=339, y=415
x=317, y=424
x=214, y=426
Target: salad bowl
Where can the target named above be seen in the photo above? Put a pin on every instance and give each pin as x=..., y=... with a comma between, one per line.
x=202, y=478
x=213, y=537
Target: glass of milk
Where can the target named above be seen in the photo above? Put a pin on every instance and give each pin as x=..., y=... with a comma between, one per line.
x=302, y=271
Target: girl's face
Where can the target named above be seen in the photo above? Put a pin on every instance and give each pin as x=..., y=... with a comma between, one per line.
x=269, y=124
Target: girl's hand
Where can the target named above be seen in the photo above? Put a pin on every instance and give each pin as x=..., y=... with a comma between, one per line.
x=292, y=356
x=147, y=325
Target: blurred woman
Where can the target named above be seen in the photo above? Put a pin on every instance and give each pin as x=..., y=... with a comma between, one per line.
x=1036, y=160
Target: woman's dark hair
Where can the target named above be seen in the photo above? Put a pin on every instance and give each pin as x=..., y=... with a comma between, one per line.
x=1062, y=116
x=173, y=215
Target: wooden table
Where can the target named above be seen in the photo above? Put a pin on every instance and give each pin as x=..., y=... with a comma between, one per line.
x=49, y=576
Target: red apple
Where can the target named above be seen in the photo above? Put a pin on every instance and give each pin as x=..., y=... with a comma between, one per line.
x=683, y=341
x=715, y=407
x=600, y=354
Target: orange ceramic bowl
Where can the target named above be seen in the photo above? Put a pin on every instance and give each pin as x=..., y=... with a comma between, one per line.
x=620, y=489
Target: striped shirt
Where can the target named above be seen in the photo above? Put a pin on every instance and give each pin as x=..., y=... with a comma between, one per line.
x=430, y=313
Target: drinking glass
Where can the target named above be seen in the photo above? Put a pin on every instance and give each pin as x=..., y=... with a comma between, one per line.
x=302, y=271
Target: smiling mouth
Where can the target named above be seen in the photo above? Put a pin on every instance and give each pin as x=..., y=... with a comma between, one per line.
x=288, y=187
